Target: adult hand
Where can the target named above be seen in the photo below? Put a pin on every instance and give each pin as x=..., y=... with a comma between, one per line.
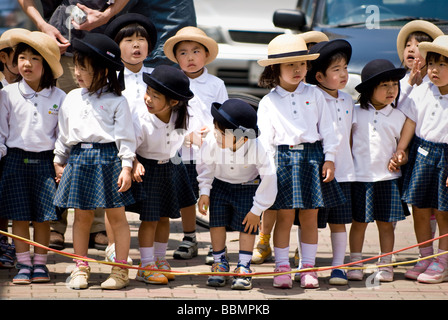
x=63, y=43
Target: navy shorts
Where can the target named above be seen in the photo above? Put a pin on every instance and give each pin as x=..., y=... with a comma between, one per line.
x=230, y=203
x=341, y=214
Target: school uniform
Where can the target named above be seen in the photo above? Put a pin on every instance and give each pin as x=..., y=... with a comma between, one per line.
x=165, y=188
x=135, y=89
x=238, y=182
x=376, y=194
x=207, y=88
x=28, y=130
x=425, y=180
x=341, y=110
x=95, y=142
x=298, y=131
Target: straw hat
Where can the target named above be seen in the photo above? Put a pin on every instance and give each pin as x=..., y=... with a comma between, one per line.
x=191, y=34
x=314, y=36
x=287, y=48
x=376, y=70
x=415, y=26
x=169, y=81
x=45, y=45
x=439, y=45
x=5, y=38
x=130, y=18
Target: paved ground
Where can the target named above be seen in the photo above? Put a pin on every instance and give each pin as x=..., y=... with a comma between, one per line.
x=189, y=288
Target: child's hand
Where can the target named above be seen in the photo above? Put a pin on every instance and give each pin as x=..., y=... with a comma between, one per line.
x=138, y=170
x=415, y=76
x=398, y=159
x=125, y=179
x=328, y=171
x=203, y=204
x=252, y=222
x=59, y=169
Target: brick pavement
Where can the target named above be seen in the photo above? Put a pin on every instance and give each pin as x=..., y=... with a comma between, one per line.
x=191, y=288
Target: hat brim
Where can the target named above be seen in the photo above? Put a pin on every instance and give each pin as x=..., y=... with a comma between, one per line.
x=160, y=87
x=40, y=43
x=398, y=73
x=228, y=123
x=209, y=43
x=415, y=26
x=271, y=61
x=425, y=47
x=5, y=39
x=85, y=47
x=124, y=20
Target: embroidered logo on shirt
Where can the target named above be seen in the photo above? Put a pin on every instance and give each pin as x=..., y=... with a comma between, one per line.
x=54, y=109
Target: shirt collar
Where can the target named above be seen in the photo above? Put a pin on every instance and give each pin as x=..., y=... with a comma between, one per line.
x=29, y=93
x=387, y=110
x=202, y=78
x=283, y=93
x=435, y=90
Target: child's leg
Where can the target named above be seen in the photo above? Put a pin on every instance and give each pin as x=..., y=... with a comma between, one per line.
x=22, y=229
x=263, y=250
x=338, y=243
x=442, y=222
x=356, y=242
x=309, y=235
x=422, y=225
x=282, y=230
x=247, y=242
x=146, y=235
x=386, y=237
x=120, y=228
x=81, y=231
x=218, y=239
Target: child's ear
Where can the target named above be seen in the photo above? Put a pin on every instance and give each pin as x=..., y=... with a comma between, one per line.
x=3, y=56
x=173, y=102
x=319, y=76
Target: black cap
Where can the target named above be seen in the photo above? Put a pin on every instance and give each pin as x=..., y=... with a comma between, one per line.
x=102, y=47
x=377, y=70
x=169, y=81
x=236, y=114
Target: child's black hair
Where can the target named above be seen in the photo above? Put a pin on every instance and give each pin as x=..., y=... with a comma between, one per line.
x=323, y=65
x=365, y=97
x=134, y=28
x=178, y=43
x=182, y=113
x=102, y=75
x=435, y=57
x=270, y=77
x=8, y=51
x=47, y=80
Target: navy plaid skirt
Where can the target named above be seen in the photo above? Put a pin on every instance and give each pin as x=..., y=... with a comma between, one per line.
x=27, y=186
x=230, y=203
x=165, y=189
x=424, y=184
x=193, y=176
x=89, y=180
x=379, y=200
x=341, y=214
x=299, y=179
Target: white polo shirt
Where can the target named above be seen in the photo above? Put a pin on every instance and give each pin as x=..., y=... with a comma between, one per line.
x=341, y=109
x=29, y=119
x=135, y=88
x=375, y=138
x=241, y=166
x=429, y=109
x=291, y=118
x=85, y=117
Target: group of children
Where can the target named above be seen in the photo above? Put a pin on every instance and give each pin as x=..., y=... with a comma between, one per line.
x=163, y=141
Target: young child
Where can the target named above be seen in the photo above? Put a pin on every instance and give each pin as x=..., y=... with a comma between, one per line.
x=192, y=49
x=410, y=35
x=232, y=164
x=263, y=250
x=162, y=180
x=425, y=183
x=329, y=73
x=375, y=134
x=293, y=123
x=136, y=36
x=94, y=153
x=28, y=130
x=9, y=74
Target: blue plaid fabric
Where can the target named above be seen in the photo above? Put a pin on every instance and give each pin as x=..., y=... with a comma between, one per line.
x=90, y=179
x=424, y=184
x=379, y=200
x=193, y=176
x=27, y=186
x=299, y=179
x=230, y=203
x=341, y=214
x=165, y=189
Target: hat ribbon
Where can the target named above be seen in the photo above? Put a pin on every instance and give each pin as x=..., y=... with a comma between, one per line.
x=231, y=120
x=288, y=54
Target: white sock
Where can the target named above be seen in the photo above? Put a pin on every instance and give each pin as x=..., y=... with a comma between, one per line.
x=281, y=256
x=160, y=250
x=244, y=258
x=339, y=245
x=355, y=256
x=40, y=259
x=147, y=255
x=24, y=258
x=309, y=251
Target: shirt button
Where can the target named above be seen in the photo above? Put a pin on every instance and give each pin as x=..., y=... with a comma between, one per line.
x=35, y=104
x=293, y=103
x=292, y=95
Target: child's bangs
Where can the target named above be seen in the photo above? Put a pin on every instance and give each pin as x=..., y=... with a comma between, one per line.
x=436, y=57
x=132, y=29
